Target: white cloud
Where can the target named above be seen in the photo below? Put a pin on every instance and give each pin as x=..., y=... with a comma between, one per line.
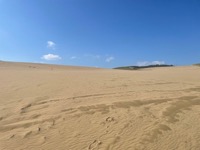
x=158, y=62
x=109, y=59
x=73, y=57
x=51, y=45
x=51, y=57
x=146, y=63
x=142, y=63
x=97, y=56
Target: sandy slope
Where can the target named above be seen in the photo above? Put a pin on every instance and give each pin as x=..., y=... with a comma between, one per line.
x=46, y=107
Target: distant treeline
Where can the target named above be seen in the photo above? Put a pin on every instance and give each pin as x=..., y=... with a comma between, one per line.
x=197, y=64
x=141, y=67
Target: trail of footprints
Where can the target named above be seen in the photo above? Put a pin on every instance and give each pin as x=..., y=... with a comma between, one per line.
x=97, y=142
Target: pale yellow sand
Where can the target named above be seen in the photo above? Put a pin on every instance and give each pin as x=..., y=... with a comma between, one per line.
x=48, y=107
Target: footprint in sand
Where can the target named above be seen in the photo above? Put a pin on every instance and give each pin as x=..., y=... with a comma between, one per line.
x=110, y=119
x=94, y=145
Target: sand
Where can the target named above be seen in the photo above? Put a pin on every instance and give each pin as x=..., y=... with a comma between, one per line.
x=50, y=107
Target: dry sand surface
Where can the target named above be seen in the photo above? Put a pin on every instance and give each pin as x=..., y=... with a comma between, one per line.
x=49, y=107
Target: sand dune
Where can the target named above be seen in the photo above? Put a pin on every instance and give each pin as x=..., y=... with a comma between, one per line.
x=51, y=107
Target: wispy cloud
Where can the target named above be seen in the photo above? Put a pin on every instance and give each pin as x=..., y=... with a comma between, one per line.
x=92, y=56
x=51, y=45
x=51, y=57
x=146, y=63
x=109, y=59
x=73, y=57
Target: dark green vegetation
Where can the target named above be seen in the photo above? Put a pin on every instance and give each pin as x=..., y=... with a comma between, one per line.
x=141, y=67
x=197, y=65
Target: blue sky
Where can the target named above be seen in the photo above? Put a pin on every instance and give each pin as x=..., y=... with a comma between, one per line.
x=100, y=33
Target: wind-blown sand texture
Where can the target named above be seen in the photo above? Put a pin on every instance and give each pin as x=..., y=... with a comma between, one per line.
x=49, y=107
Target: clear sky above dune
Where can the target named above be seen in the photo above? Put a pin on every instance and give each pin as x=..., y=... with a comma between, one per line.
x=103, y=33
